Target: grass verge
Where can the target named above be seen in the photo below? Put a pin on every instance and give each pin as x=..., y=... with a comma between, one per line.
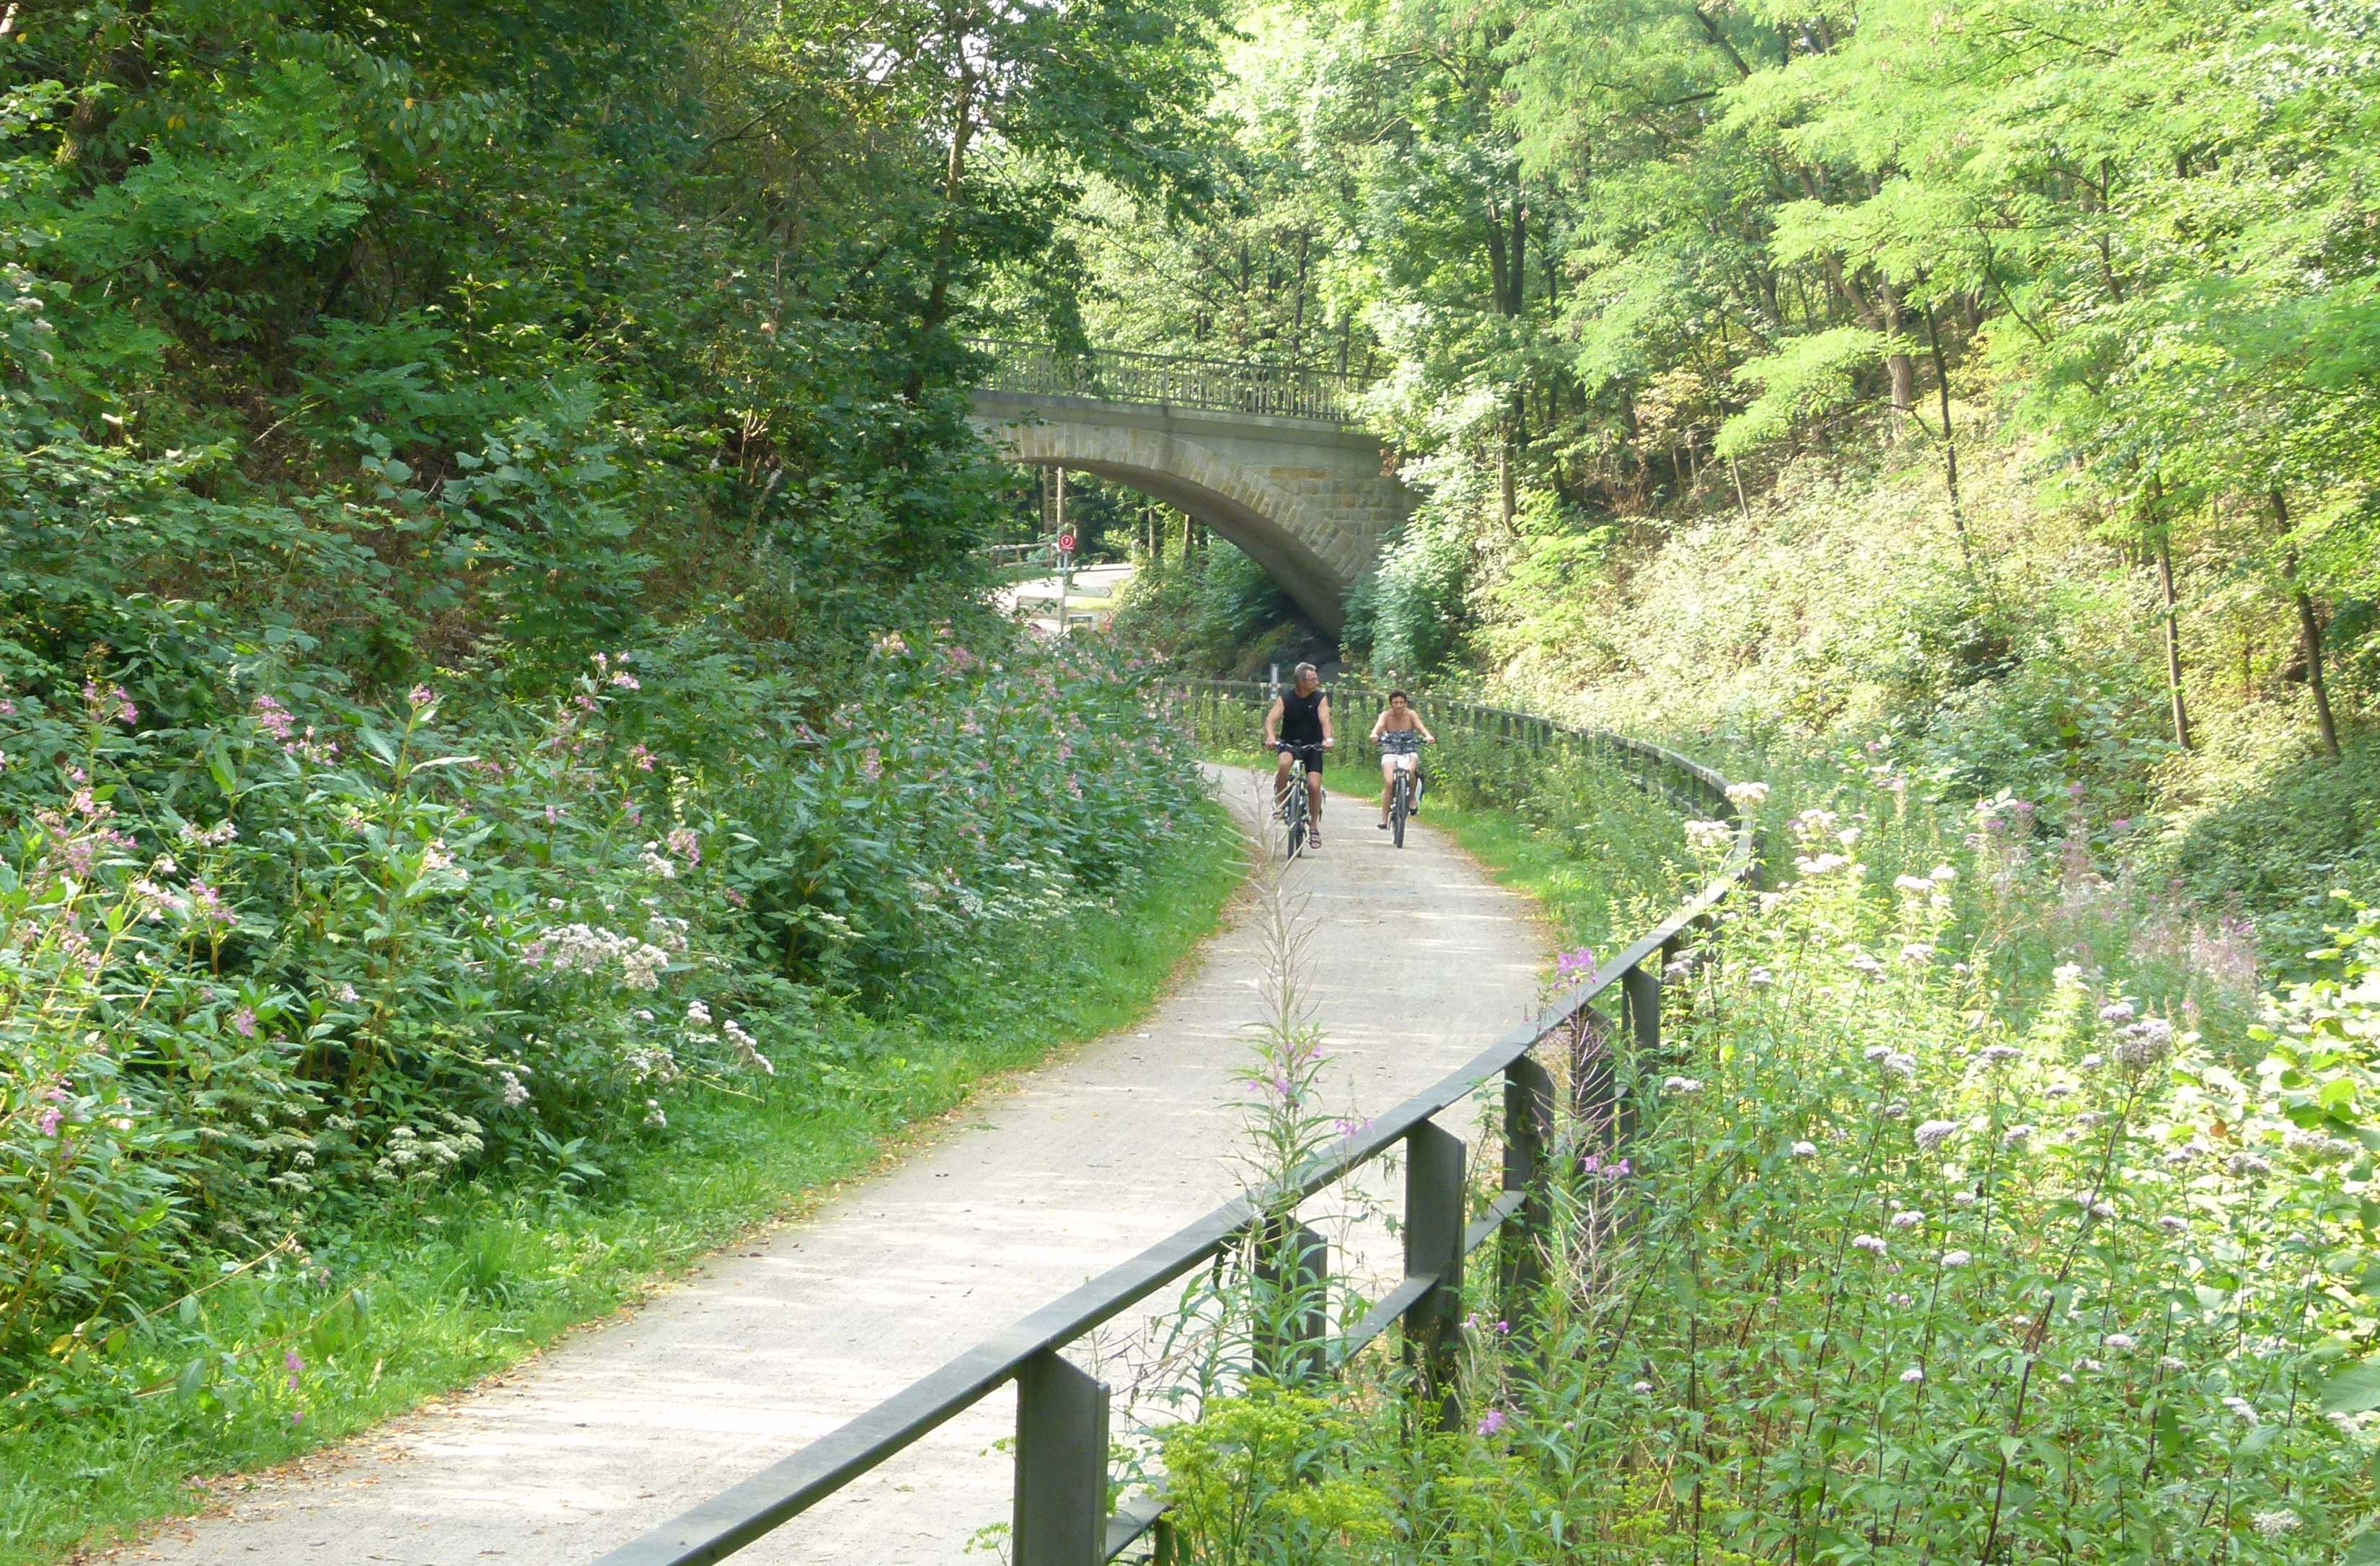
x=469, y=1281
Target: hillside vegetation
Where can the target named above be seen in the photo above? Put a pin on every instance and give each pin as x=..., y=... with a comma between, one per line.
x=1992, y=381
x=1955, y=421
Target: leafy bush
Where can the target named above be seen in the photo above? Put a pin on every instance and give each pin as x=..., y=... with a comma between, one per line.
x=1221, y=614
x=267, y=973
x=1409, y=616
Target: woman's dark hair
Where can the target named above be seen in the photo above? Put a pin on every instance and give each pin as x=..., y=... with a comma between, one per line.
x=1400, y=695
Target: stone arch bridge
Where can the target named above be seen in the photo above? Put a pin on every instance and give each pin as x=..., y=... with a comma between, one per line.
x=1268, y=457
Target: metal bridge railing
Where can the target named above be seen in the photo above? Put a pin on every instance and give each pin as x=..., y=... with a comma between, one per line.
x=1165, y=381
x=1060, y=1515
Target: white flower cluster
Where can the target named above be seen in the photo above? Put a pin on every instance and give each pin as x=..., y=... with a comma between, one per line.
x=652, y=1064
x=582, y=948
x=747, y=1048
x=1747, y=796
x=424, y=1154
x=1709, y=837
x=1932, y=1135
x=2144, y=1043
x=1893, y=1061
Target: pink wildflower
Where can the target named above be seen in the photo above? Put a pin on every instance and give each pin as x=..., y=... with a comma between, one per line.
x=243, y=1021
x=1494, y=1420
x=209, y=905
x=422, y=697
x=275, y=719
x=113, y=704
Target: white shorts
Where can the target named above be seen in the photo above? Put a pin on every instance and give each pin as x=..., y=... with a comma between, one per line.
x=1403, y=761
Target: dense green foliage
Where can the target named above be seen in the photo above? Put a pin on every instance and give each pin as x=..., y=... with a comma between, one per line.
x=1967, y=1215
x=1988, y=378
x=1214, y=612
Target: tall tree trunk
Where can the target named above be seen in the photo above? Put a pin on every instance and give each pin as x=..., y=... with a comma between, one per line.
x=2172, y=614
x=1297, y=323
x=2309, y=636
x=1900, y=366
x=1950, y=435
x=946, y=238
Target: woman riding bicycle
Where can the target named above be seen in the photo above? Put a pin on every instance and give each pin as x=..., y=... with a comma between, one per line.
x=1298, y=725
x=1400, y=734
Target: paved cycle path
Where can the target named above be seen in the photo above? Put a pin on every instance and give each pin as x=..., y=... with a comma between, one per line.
x=1414, y=961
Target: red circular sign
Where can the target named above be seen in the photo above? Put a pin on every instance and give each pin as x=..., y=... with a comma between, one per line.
x=1066, y=542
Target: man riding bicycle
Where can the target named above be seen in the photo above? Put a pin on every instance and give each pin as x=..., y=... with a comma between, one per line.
x=1400, y=734
x=1298, y=727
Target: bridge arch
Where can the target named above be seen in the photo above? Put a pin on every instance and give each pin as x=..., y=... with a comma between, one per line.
x=1306, y=496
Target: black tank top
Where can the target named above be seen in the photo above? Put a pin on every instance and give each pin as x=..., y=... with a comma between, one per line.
x=1301, y=717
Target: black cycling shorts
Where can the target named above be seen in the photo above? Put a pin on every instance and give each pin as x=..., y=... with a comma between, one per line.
x=1309, y=754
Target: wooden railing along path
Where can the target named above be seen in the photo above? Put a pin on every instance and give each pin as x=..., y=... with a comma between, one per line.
x=1060, y=1515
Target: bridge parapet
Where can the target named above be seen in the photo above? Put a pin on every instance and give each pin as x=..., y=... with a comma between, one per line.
x=1167, y=381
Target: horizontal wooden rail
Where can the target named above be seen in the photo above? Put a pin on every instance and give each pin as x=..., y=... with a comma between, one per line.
x=1061, y=1514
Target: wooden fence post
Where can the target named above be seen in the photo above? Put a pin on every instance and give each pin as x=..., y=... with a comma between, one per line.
x=1528, y=1127
x=1293, y=1268
x=1433, y=1188
x=1061, y=1509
